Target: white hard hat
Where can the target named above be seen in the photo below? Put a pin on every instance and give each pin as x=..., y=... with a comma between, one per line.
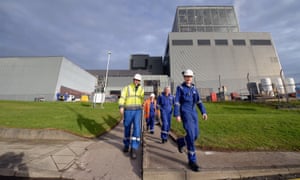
x=152, y=95
x=188, y=72
x=137, y=77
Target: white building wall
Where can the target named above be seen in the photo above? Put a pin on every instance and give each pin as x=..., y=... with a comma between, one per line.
x=74, y=77
x=24, y=78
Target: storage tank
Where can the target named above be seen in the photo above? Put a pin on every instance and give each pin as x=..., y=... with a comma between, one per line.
x=279, y=85
x=266, y=85
x=290, y=85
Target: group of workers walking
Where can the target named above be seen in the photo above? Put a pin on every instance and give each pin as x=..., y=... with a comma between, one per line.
x=182, y=105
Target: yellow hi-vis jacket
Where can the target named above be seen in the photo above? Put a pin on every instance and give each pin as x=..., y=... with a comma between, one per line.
x=131, y=98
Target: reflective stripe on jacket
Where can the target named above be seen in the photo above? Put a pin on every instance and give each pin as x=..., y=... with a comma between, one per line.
x=131, y=97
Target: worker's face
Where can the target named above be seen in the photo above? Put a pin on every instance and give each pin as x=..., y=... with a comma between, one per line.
x=167, y=91
x=136, y=82
x=188, y=79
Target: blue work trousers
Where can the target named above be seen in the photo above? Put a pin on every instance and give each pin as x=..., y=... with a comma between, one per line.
x=132, y=118
x=166, y=123
x=190, y=124
x=151, y=122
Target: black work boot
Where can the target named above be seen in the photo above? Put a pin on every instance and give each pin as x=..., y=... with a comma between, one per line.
x=133, y=153
x=194, y=166
x=125, y=149
x=180, y=148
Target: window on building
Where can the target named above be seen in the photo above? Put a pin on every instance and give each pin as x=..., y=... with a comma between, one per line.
x=223, y=42
x=184, y=29
x=209, y=29
x=260, y=42
x=220, y=29
x=204, y=42
x=238, y=42
x=200, y=29
x=185, y=42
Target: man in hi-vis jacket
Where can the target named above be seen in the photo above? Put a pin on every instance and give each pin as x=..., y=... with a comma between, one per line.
x=131, y=107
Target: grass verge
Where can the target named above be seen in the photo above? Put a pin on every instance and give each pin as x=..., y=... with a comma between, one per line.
x=247, y=126
x=78, y=118
x=234, y=126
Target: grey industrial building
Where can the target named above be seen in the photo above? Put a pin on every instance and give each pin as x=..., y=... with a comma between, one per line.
x=28, y=78
x=150, y=67
x=207, y=40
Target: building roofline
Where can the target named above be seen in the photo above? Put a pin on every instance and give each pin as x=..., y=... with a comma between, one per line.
x=205, y=6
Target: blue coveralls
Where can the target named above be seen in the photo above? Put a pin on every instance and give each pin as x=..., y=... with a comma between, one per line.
x=186, y=100
x=165, y=104
x=151, y=118
x=132, y=117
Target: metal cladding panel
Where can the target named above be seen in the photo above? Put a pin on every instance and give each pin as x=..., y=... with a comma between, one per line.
x=229, y=63
x=24, y=78
x=72, y=76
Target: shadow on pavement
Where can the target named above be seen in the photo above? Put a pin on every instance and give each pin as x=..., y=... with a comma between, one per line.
x=13, y=162
x=115, y=138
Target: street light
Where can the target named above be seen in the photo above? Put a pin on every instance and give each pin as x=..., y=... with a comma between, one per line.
x=106, y=76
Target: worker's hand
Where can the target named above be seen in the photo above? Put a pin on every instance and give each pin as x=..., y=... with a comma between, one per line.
x=178, y=119
x=158, y=113
x=204, y=116
x=121, y=113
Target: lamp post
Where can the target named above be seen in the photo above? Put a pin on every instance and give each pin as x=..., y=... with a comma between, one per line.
x=106, y=76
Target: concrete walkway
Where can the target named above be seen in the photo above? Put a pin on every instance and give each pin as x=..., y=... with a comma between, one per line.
x=163, y=161
x=68, y=157
x=32, y=154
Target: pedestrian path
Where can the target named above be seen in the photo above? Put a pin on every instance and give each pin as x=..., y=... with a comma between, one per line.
x=96, y=159
x=103, y=158
x=163, y=161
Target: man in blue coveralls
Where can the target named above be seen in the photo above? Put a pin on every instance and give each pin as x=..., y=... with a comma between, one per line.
x=186, y=99
x=165, y=103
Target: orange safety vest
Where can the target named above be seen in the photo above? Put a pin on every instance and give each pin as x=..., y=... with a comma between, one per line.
x=147, y=108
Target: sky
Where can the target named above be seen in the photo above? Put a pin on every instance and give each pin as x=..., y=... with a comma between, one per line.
x=84, y=31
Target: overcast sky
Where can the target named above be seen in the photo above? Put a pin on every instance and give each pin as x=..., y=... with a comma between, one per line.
x=84, y=31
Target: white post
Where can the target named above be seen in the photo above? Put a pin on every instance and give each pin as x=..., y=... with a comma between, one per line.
x=106, y=76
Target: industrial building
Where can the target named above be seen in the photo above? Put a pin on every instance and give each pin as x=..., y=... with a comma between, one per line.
x=117, y=79
x=207, y=40
x=30, y=78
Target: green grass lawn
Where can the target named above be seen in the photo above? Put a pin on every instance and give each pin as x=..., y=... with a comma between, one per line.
x=247, y=126
x=237, y=126
x=78, y=118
